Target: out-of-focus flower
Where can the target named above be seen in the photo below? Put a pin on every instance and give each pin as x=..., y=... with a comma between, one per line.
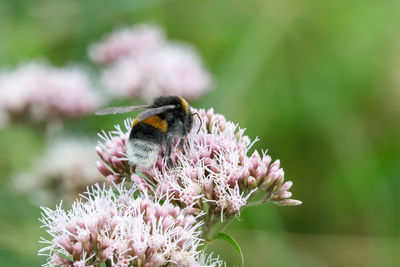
x=63, y=172
x=212, y=170
x=38, y=92
x=176, y=69
x=111, y=226
x=132, y=41
x=145, y=65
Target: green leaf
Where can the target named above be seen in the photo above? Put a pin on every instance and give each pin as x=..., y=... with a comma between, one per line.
x=206, y=206
x=147, y=179
x=232, y=241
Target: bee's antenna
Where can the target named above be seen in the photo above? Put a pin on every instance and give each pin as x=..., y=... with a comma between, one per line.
x=201, y=121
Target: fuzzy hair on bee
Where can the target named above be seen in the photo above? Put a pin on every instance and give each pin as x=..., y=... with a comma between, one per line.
x=167, y=118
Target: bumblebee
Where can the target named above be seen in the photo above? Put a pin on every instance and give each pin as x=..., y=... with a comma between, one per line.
x=167, y=118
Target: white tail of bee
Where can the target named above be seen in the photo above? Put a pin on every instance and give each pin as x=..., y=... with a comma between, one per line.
x=141, y=153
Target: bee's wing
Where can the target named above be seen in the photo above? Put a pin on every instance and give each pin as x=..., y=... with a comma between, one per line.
x=154, y=111
x=120, y=110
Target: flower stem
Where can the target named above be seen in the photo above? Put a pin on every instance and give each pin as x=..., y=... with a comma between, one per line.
x=223, y=226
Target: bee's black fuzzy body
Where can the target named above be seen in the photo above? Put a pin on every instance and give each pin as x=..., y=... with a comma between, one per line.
x=149, y=135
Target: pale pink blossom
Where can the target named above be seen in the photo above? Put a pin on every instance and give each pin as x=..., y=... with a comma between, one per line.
x=214, y=168
x=36, y=91
x=175, y=69
x=126, y=77
x=132, y=41
x=65, y=169
x=112, y=226
x=145, y=65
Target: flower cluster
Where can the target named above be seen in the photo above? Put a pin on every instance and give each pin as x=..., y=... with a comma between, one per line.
x=128, y=41
x=114, y=164
x=142, y=63
x=39, y=92
x=112, y=227
x=213, y=169
x=63, y=172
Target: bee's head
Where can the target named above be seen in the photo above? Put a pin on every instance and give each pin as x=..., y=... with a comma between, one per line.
x=182, y=111
x=185, y=106
x=181, y=105
x=189, y=116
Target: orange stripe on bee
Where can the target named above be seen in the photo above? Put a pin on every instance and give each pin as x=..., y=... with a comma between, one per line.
x=154, y=121
x=185, y=105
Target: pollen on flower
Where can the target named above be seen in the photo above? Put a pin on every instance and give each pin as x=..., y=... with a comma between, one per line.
x=110, y=225
x=214, y=168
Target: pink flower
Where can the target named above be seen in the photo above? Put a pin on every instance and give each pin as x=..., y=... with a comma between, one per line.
x=214, y=168
x=126, y=77
x=65, y=169
x=111, y=226
x=175, y=69
x=39, y=92
x=144, y=65
x=133, y=41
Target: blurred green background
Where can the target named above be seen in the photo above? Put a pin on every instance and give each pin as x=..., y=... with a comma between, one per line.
x=317, y=81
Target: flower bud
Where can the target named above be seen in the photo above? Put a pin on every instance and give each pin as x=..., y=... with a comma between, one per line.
x=210, y=112
x=71, y=228
x=255, y=159
x=260, y=173
x=114, y=178
x=179, y=219
x=267, y=160
x=106, y=253
x=189, y=220
x=102, y=168
x=208, y=189
x=107, y=158
x=288, y=202
x=286, y=186
x=285, y=194
x=58, y=260
x=77, y=251
x=251, y=182
x=168, y=221
x=175, y=212
x=117, y=163
x=99, y=151
x=65, y=242
x=83, y=236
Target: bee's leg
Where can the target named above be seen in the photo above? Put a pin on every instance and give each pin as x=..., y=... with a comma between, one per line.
x=168, y=148
x=181, y=143
x=183, y=136
x=133, y=169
